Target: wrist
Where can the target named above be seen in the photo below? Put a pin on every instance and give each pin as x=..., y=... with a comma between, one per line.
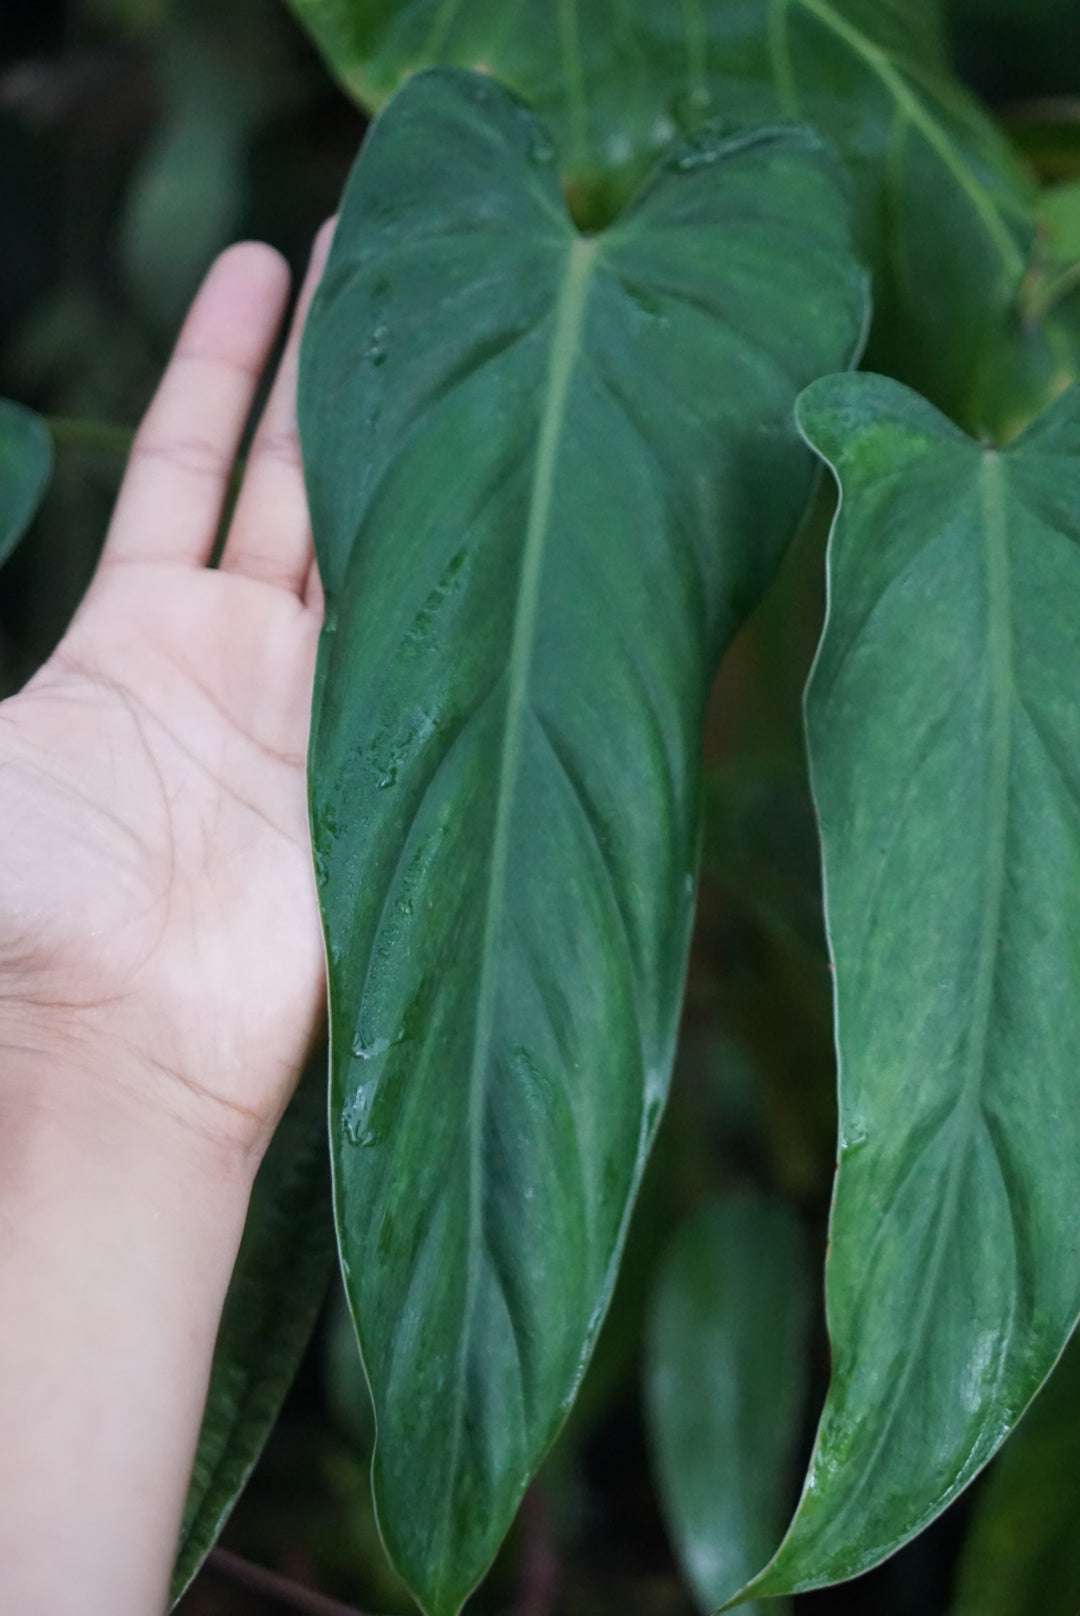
x=119, y=1227
x=64, y=1077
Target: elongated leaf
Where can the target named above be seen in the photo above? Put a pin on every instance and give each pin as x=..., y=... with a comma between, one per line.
x=281, y=1275
x=1021, y=1557
x=946, y=214
x=945, y=757
x=25, y=468
x=725, y=1380
x=548, y=473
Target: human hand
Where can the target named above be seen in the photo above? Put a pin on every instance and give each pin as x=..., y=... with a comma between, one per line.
x=158, y=923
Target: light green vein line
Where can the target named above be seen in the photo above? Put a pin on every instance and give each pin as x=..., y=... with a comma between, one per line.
x=574, y=74
x=780, y=57
x=922, y=119
x=1000, y=656
x=1052, y=291
x=697, y=53
x=565, y=349
x=445, y=18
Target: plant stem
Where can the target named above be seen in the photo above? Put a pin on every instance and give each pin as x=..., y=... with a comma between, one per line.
x=286, y=1593
x=541, y=1573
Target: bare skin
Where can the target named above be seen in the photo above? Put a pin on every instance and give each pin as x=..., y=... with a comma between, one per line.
x=161, y=963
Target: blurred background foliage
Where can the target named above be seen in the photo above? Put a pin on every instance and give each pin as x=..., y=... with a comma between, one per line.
x=137, y=138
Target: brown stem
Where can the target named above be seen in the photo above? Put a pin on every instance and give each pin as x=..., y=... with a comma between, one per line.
x=282, y=1590
x=540, y=1572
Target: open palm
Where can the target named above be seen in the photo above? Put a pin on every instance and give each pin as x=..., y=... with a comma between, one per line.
x=157, y=907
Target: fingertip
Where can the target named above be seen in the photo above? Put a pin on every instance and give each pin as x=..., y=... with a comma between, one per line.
x=239, y=306
x=254, y=259
x=253, y=273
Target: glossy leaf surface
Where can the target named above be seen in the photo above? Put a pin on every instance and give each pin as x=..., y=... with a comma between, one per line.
x=278, y=1285
x=548, y=474
x=1021, y=1556
x=725, y=1372
x=946, y=213
x=944, y=738
x=25, y=468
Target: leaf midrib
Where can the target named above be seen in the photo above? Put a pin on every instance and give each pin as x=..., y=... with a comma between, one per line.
x=565, y=350
x=881, y=64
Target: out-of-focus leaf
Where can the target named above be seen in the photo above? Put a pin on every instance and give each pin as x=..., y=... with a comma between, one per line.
x=548, y=474
x=1060, y=212
x=945, y=759
x=187, y=191
x=725, y=1379
x=616, y=84
x=1058, y=274
x=278, y=1285
x=946, y=213
x=25, y=468
x=1022, y=1556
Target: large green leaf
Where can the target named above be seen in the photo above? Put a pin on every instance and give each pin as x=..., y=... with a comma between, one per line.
x=944, y=734
x=616, y=83
x=25, y=468
x=278, y=1285
x=946, y=214
x=725, y=1379
x=548, y=474
x=1021, y=1556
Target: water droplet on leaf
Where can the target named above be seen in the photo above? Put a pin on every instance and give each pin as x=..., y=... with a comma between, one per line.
x=369, y=1049
x=355, y=1116
x=699, y=151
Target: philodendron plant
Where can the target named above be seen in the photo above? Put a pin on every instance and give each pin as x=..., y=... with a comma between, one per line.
x=584, y=340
